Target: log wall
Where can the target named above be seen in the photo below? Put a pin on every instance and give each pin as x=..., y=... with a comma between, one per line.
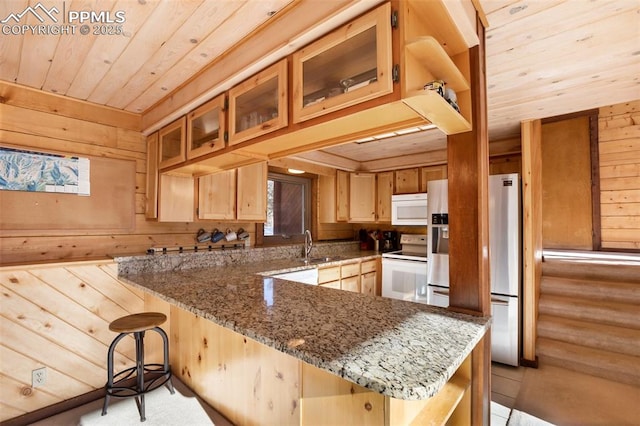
x=619, y=152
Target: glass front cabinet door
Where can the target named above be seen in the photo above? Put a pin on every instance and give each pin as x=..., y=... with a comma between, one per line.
x=350, y=65
x=205, y=128
x=172, y=139
x=258, y=105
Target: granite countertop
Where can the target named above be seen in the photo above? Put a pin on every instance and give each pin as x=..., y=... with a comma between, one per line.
x=400, y=349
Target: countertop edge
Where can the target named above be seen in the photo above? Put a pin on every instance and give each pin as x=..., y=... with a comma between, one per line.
x=337, y=368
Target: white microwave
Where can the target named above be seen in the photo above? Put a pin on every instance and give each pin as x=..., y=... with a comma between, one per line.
x=409, y=209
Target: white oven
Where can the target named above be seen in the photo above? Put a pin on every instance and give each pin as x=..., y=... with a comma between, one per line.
x=409, y=209
x=404, y=272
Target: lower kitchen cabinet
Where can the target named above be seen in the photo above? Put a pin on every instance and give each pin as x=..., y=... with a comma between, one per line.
x=350, y=276
x=356, y=276
x=368, y=283
x=369, y=277
x=329, y=277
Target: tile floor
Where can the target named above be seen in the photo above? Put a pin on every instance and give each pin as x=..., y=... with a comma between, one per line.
x=555, y=395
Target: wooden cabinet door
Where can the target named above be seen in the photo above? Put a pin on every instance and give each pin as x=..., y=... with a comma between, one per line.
x=217, y=196
x=327, y=199
x=342, y=196
x=176, y=200
x=252, y=192
x=347, y=66
x=151, y=191
x=383, y=198
x=258, y=105
x=431, y=173
x=368, y=283
x=350, y=284
x=362, y=197
x=206, y=128
x=172, y=143
x=407, y=181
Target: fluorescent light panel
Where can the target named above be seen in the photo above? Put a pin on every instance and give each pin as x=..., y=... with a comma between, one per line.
x=396, y=133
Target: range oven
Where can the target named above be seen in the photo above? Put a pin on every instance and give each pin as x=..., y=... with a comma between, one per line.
x=404, y=272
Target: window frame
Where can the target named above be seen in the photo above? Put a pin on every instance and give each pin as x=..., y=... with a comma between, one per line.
x=307, y=183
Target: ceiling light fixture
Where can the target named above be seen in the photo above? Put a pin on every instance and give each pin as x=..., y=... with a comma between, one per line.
x=396, y=133
x=295, y=171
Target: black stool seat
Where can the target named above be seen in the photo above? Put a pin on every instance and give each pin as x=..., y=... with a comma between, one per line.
x=141, y=378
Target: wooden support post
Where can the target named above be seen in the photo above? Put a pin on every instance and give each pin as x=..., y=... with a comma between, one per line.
x=468, y=160
x=532, y=236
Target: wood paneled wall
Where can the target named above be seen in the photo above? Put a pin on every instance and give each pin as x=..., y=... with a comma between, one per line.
x=57, y=316
x=619, y=152
x=31, y=119
x=567, y=221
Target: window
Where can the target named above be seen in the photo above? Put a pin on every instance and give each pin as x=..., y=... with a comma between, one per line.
x=288, y=206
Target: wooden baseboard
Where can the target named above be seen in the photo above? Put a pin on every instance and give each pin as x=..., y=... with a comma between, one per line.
x=54, y=409
x=529, y=363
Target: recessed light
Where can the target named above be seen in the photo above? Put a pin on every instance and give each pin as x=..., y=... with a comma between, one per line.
x=295, y=171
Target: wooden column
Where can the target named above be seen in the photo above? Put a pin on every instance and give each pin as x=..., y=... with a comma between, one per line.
x=468, y=161
x=532, y=236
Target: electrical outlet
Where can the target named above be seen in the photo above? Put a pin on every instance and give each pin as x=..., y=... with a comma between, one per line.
x=38, y=377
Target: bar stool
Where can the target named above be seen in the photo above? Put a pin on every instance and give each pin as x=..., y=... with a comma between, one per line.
x=142, y=378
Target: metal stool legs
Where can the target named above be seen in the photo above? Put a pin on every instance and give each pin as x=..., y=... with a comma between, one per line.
x=147, y=376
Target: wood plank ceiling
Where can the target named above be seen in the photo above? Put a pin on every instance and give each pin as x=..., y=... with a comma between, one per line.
x=544, y=57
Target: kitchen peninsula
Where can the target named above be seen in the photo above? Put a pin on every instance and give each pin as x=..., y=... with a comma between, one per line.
x=266, y=350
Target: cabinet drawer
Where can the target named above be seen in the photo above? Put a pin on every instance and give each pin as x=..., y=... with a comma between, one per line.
x=331, y=284
x=350, y=269
x=326, y=275
x=369, y=266
x=351, y=284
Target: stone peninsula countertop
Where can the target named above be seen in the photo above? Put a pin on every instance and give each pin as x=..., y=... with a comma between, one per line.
x=401, y=349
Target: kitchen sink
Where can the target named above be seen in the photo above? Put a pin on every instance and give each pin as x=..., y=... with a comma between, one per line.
x=306, y=276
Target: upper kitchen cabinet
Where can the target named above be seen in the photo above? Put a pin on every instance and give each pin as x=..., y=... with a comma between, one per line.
x=172, y=139
x=205, y=128
x=430, y=173
x=350, y=65
x=362, y=197
x=217, y=196
x=258, y=105
x=252, y=192
x=407, y=181
x=342, y=196
x=434, y=50
x=151, y=191
x=176, y=198
x=384, y=184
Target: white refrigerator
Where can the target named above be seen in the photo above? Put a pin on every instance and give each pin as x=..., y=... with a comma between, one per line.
x=505, y=263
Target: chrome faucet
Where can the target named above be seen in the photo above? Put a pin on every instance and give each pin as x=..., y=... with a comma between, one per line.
x=308, y=244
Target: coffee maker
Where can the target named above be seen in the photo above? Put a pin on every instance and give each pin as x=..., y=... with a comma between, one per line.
x=389, y=241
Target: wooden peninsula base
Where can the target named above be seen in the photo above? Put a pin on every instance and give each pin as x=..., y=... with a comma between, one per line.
x=251, y=383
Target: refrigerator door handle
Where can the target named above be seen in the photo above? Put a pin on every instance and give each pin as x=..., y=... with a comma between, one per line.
x=499, y=302
x=441, y=292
